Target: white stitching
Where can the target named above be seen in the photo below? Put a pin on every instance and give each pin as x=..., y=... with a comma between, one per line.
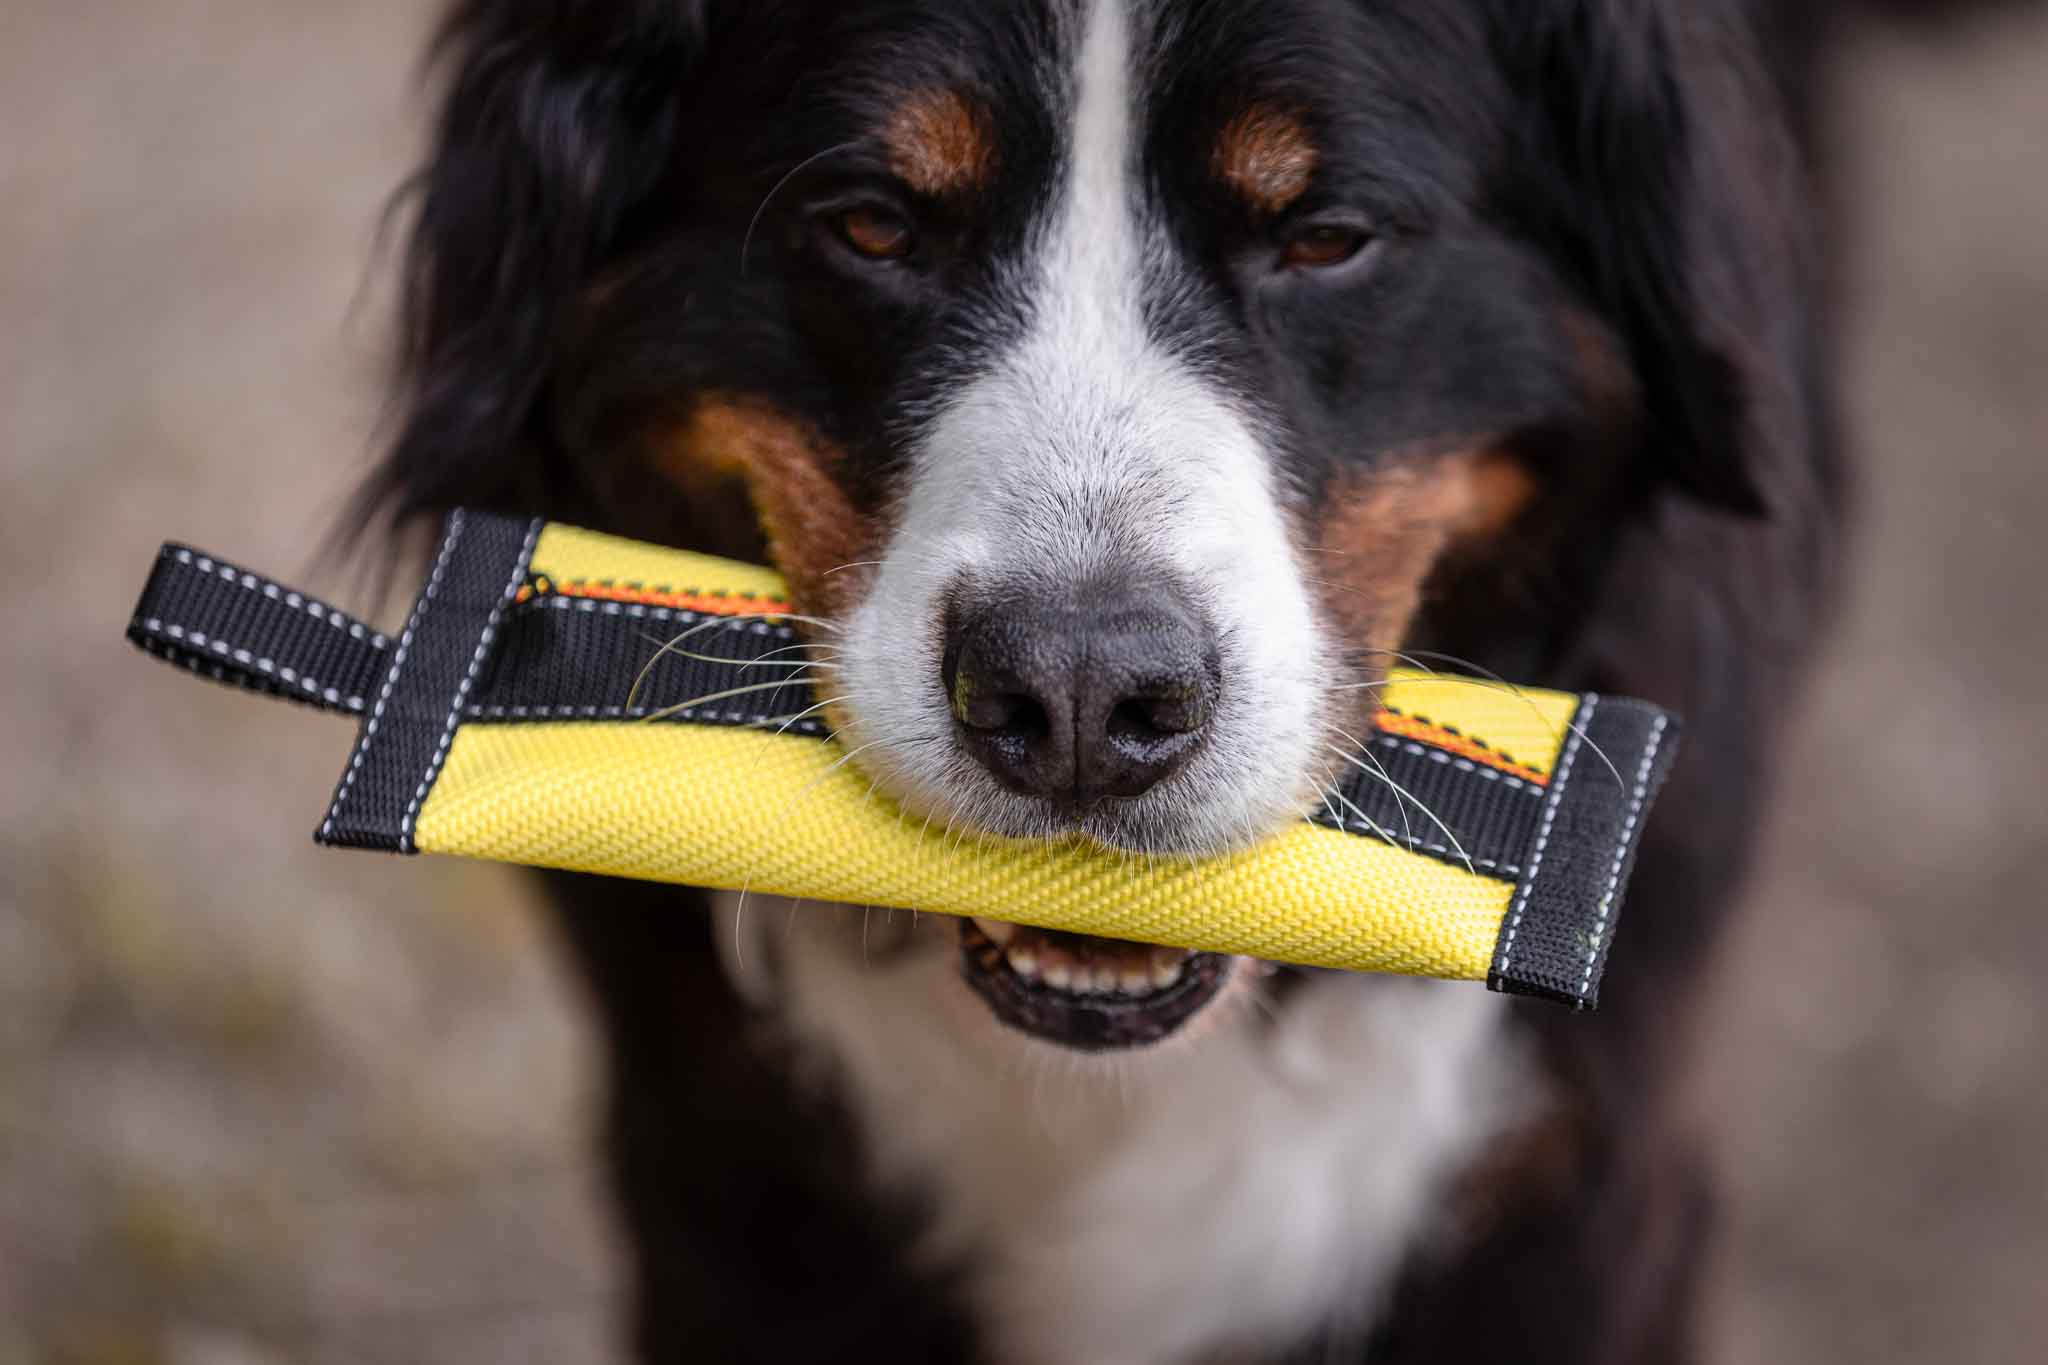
x=198, y=663
x=476, y=663
x=355, y=763
x=553, y=602
x=198, y=639
x=1417, y=841
x=477, y=711
x=228, y=573
x=1564, y=771
x=1628, y=829
x=1461, y=764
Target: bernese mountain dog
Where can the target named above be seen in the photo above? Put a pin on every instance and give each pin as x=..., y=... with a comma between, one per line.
x=1121, y=386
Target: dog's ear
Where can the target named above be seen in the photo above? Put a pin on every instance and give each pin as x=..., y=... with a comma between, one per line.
x=1677, y=211
x=556, y=123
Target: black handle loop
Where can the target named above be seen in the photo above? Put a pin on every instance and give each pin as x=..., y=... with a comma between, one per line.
x=239, y=628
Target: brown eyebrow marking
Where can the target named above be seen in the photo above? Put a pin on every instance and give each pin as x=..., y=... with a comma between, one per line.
x=1267, y=156
x=939, y=143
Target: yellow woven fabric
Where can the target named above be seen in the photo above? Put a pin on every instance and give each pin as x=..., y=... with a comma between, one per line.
x=1523, y=723
x=569, y=553
x=735, y=808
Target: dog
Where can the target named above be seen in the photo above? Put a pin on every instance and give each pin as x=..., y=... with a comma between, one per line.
x=1121, y=387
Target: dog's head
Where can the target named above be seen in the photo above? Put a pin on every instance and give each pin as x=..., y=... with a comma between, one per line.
x=1118, y=383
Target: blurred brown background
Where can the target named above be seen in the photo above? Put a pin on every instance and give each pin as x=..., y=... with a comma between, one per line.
x=260, y=1103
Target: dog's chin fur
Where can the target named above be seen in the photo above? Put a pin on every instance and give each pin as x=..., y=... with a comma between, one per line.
x=1268, y=1165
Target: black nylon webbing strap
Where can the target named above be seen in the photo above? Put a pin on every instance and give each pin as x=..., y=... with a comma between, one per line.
x=225, y=623
x=433, y=670
x=1560, y=923
x=581, y=658
x=1436, y=803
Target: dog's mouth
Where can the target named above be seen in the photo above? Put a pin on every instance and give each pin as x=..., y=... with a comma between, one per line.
x=1086, y=993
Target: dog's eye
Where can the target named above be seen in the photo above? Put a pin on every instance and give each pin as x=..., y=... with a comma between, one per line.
x=875, y=233
x=1321, y=245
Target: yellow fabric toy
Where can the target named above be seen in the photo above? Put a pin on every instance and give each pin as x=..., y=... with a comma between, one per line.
x=530, y=712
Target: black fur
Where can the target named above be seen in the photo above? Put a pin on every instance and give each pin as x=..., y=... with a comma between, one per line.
x=1620, y=162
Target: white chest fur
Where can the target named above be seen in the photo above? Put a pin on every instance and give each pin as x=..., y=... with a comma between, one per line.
x=1237, y=1188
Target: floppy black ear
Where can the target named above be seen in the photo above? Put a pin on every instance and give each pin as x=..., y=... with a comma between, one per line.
x=555, y=125
x=1660, y=169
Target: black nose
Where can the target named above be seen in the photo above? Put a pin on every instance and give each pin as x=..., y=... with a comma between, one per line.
x=1103, y=693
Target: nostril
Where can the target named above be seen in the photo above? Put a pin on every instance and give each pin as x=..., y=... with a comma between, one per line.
x=1149, y=720
x=1131, y=722
x=1178, y=708
x=1009, y=689
x=1006, y=713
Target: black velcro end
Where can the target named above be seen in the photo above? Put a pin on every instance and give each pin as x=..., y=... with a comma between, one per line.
x=433, y=670
x=1560, y=922
x=242, y=629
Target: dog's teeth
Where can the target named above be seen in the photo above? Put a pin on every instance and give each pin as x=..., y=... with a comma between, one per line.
x=1126, y=972
x=1058, y=971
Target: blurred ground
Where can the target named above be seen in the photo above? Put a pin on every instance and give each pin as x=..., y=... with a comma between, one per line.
x=259, y=1103
x=256, y=1103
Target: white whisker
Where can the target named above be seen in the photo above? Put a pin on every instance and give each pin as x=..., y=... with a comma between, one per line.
x=1370, y=823
x=747, y=240
x=665, y=712
x=1401, y=793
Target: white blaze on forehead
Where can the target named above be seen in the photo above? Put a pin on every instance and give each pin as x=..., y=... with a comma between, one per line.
x=1090, y=291
x=1086, y=449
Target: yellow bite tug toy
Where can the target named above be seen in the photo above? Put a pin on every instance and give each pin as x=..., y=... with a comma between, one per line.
x=566, y=699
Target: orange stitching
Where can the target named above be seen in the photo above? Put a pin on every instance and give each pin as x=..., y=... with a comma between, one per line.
x=697, y=600
x=1449, y=740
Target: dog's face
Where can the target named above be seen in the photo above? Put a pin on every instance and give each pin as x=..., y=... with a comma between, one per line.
x=1114, y=381
x=1110, y=377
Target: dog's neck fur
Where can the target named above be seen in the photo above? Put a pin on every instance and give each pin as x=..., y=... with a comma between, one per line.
x=1236, y=1189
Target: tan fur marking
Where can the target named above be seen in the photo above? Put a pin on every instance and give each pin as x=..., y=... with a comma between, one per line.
x=1501, y=487
x=1383, y=531
x=790, y=472
x=1381, y=534
x=1267, y=157
x=939, y=143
